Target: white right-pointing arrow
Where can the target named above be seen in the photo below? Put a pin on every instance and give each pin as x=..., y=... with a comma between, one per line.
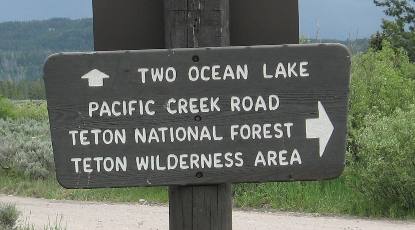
x=320, y=128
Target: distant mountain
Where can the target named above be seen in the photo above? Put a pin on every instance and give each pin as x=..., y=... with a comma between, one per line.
x=24, y=46
x=340, y=19
x=355, y=46
x=27, y=10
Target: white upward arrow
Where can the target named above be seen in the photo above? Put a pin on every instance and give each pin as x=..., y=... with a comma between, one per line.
x=95, y=78
x=320, y=128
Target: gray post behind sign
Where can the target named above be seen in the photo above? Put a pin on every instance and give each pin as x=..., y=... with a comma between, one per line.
x=191, y=24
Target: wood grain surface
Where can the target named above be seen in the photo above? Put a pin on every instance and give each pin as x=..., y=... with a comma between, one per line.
x=69, y=96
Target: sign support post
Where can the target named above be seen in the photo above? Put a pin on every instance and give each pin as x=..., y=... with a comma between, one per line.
x=196, y=119
x=193, y=24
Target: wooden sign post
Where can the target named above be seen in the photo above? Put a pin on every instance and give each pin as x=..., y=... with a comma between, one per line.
x=193, y=24
x=199, y=115
x=140, y=24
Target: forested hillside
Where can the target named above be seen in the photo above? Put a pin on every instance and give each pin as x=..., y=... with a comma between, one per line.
x=24, y=46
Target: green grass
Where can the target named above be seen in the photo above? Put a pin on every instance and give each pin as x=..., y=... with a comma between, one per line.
x=329, y=197
x=8, y=216
x=35, y=110
x=378, y=182
x=334, y=197
x=50, y=189
x=325, y=197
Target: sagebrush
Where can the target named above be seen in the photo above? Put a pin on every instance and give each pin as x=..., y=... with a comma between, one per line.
x=8, y=216
x=25, y=147
x=379, y=177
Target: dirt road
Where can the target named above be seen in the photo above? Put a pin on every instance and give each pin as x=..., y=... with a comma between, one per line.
x=87, y=215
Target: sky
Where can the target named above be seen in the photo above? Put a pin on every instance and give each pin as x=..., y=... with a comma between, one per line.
x=338, y=19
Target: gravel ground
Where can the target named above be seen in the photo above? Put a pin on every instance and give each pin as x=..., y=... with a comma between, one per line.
x=87, y=215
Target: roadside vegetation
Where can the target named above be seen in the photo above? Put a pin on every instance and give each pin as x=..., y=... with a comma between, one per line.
x=10, y=219
x=379, y=180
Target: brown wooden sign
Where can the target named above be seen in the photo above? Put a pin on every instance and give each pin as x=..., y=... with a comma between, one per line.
x=198, y=116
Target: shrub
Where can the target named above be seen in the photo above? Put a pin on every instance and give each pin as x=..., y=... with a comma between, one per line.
x=8, y=216
x=34, y=110
x=27, y=148
x=382, y=82
x=34, y=158
x=381, y=129
x=6, y=108
x=388, y=160
x=7, y=154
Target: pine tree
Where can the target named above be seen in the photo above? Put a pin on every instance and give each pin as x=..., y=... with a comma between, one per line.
x=400, y=31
